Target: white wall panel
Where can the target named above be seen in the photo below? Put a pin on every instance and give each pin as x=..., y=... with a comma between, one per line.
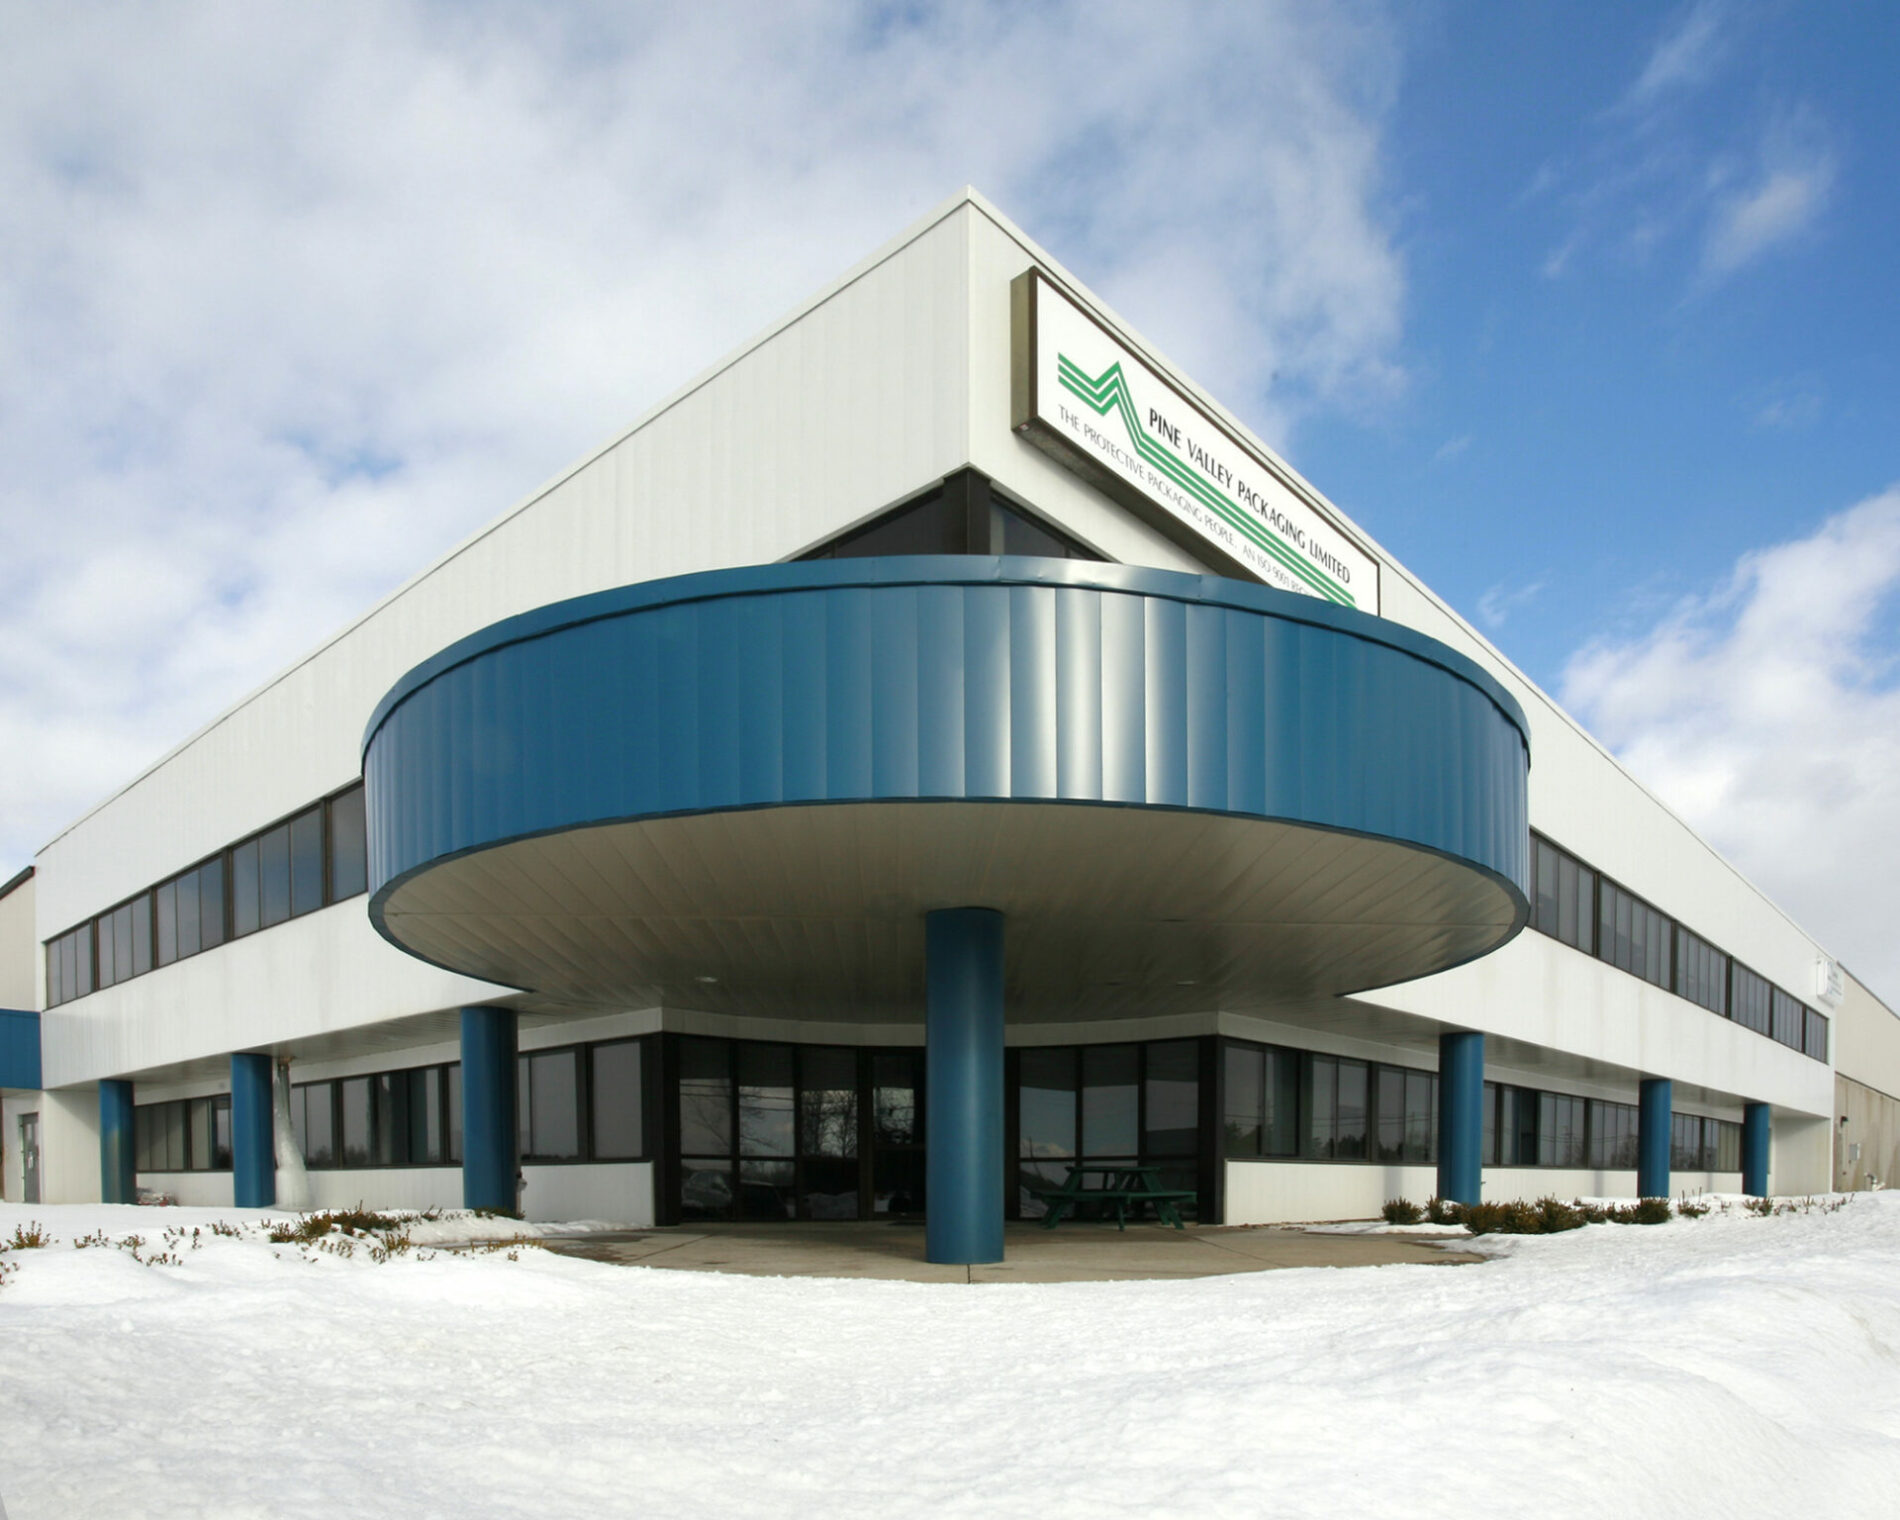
x=606, y=1193
x=1544, y=993
x=195, y=1190
x=20, y=958
x=1302, y=1192
x=69, y=1146
x=316, y=975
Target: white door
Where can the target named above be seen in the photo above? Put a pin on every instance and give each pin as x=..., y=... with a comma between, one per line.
x=30, y=1157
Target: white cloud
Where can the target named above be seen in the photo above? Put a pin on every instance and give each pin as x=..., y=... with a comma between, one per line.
x=1767, y=714
x=294, y=297
x=1683, y=56
x=1780, y=200
x=1451, y=448
x=1500, y=601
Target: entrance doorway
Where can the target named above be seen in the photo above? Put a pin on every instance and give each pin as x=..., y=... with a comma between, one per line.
x=29, y=1158
x=780, y=1131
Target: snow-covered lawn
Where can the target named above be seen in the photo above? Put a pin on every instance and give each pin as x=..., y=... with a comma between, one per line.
x=1732, y=1366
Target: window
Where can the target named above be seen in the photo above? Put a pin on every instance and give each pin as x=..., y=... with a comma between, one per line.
x=411, y=1117
x=245, y=915
x=1790, y=1020
x=616, y=1101
x=1701, y=972
x=1518, y=1112
x=1612, y=1135
x=1560, y=1130
x=183, y=1135
x=1565, y=907
x=962, y=516
x=306, y=862
x=349, y=845
x=273, y=876
x=1816, y=1036
x=1631, y=935
x=1750, y=1000
x=1337, y=1092
x=548, y=1105
x=318, y=857
x=1407, y=1106
x=1687, y=1151
x=69, y=966
x=1099, y=1104
x=782, y=1131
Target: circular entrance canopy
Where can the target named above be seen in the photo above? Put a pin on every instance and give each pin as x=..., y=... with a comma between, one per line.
x=741, y=791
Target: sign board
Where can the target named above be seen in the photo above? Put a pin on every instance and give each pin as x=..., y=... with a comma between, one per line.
x=1829, y=989
x=1079, y=394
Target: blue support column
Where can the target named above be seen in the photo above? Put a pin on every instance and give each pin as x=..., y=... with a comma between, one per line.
x=1461, y=1117
x=1652, y=1137
x=118, y=1165
x=489, y=1162
x=253, y=1144
x=963, y=1034
x=1755, y=1133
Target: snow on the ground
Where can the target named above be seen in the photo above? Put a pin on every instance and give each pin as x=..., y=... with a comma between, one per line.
x=1732, y=1366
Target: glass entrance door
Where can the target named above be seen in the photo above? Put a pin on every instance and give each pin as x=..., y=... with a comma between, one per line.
x=782, y=1131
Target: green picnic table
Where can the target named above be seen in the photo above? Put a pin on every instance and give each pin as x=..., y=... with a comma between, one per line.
x=1123, y=1183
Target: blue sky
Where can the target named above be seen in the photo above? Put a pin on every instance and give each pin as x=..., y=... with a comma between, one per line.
x=1612, y=392
x=1584, y=311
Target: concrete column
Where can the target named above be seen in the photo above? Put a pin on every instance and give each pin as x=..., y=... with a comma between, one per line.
x=1461, y=1116
x=118, y=1162
x=963, y=1116
x=489, y=1162
x=253, y=1145
x=1653, y=1112
x=1756, y=1128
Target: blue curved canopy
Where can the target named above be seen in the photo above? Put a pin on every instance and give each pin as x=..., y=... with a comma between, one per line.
x=925, y=680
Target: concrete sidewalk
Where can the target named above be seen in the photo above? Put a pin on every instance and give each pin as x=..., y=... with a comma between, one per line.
x=1070, y=1253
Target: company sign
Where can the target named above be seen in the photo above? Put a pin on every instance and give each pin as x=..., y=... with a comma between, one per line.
x=1084, y=398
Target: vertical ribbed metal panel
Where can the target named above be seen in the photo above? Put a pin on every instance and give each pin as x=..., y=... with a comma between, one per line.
x=948, y=686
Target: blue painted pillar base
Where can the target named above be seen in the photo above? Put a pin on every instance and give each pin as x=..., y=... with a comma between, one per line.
x=253, y=1143
x=1653, y=1116
x=1756, y=1129
x=118, y=1162
x=963, y=1050
x=489, y=1162
x=1461, y=1117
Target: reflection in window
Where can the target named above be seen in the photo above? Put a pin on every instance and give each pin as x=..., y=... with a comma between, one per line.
x=355, y=1092
x=306, y=862
x=1110, y=1100
x=349, y=847
x=828, y=1103
x=765, y=1100
x=245, y=917
x=273, y=876
x=705, y=1086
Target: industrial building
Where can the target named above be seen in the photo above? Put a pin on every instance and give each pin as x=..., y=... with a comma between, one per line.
x=937, y=746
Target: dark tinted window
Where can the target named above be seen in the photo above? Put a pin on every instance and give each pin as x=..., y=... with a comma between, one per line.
x=306, y=862
x=356, y=1133
x=273, y=876
x=210, y=903
x=244, y=899
x=349, y=849
x=705, y=1088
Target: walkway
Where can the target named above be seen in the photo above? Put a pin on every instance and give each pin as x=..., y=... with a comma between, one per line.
x=1072, y=1253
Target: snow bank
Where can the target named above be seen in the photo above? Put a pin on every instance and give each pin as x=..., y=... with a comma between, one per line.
x=1731, y=1365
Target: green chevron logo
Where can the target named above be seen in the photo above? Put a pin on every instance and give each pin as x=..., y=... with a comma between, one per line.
x=1109, y=392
